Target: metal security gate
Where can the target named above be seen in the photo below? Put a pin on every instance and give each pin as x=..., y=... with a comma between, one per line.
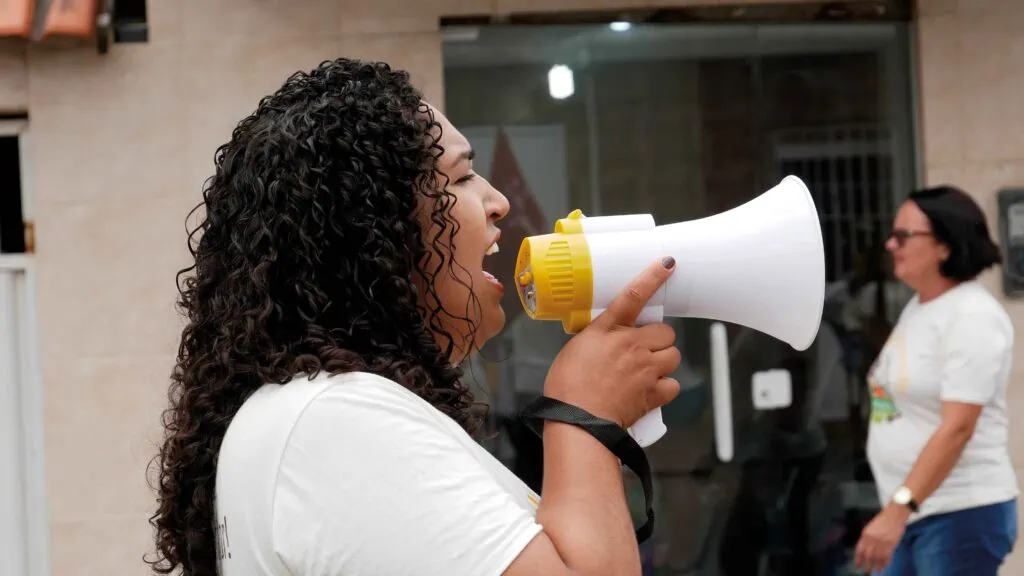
x=850, y=172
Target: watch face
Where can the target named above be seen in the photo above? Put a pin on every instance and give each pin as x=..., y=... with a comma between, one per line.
x=902, y=496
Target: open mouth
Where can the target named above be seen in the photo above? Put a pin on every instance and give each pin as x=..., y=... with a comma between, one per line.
x=491, y=250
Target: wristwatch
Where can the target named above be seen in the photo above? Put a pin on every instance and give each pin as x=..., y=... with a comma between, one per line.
x=904, y=497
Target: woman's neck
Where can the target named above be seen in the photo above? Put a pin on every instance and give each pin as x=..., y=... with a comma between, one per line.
x=934, y=289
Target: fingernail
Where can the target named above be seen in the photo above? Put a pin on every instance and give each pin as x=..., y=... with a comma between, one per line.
x=668, y=262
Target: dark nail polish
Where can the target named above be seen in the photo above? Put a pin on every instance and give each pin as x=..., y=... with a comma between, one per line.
x=668, y=262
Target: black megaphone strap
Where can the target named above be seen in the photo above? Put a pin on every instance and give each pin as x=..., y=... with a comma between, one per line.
x=608, y=433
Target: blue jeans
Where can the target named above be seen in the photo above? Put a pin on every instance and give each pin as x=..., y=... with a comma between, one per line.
x=971, y=542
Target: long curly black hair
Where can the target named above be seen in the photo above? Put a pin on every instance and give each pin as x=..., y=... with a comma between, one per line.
x=305, y=262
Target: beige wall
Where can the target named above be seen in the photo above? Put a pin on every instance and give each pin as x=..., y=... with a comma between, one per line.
x=972, y=132
x=122, y=143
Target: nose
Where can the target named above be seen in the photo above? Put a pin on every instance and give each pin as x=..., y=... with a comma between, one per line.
x=891, y=245
x=498, y=205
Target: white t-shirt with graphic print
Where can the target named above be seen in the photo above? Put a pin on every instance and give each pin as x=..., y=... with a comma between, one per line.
x=957, y=347
x=356, y=475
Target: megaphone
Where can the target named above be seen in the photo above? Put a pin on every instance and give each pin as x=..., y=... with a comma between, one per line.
x=759, y=265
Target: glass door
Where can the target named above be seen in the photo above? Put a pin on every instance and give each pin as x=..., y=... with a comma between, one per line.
x=683, y=122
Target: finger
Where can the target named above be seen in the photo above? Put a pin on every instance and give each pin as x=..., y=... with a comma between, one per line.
x=665, y=390
x=657, y=336
x=860, y=556
x=882, y=558
x=666, y=360
x=873, y=560
x=869, y=561
x=628, y=305
x=864, y=560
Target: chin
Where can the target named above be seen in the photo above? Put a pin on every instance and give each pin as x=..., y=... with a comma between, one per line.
x=492, y=325
x=908, y=280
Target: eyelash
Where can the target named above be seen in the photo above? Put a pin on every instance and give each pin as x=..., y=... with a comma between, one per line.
x=466, y=178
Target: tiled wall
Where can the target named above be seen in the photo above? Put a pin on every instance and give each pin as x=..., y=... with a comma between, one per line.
x=111, y=215
x=972, y=132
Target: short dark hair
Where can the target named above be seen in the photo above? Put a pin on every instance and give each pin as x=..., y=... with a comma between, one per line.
x=959, y=223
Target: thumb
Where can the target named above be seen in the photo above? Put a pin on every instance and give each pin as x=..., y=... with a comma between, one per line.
x=627, y=306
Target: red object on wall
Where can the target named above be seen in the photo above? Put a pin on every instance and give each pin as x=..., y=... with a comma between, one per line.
x=74, y=18
x=525, y=218
x=16, y=17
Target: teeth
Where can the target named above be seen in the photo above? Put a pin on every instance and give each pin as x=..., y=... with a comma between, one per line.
x=493, y=249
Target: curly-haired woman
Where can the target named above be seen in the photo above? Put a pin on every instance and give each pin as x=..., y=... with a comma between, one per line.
x=317, y=421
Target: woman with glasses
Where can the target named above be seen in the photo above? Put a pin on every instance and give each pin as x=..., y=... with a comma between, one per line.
x=937, y=443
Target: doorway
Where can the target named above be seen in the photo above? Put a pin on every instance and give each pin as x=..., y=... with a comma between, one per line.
x=682, y=122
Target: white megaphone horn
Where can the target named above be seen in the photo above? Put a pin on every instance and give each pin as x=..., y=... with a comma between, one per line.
x=759, y=265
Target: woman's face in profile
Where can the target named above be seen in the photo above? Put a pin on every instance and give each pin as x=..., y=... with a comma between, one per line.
x=465, y=289
x=916, y=254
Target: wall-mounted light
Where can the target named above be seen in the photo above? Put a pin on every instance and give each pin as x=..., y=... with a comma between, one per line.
x=560, y=82
x=620, y=26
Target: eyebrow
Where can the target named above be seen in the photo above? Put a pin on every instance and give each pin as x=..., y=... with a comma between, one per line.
x=465, y=156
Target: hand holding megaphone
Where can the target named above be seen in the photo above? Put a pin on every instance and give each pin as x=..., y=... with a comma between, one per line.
x=614, y=369
x=760, y=265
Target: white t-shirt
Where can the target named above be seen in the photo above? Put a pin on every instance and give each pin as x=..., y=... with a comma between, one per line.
x=355, y=475
x=957, y=347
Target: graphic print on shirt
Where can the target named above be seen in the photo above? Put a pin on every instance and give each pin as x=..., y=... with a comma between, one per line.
x=883, y=405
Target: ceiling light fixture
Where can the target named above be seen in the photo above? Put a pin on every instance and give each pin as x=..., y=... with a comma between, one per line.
x=560, y=82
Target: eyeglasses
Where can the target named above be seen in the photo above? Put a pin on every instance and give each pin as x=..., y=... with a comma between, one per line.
x=901, y=235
